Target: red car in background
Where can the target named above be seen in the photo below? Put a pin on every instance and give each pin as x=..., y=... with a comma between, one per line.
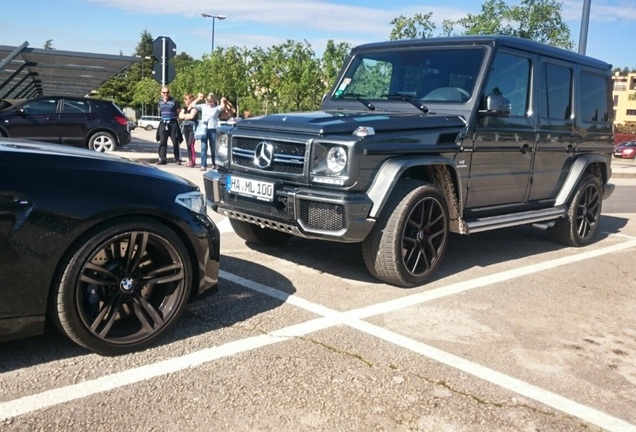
x=626, y=150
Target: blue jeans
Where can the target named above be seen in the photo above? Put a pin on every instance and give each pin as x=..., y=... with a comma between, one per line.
x=209, y=137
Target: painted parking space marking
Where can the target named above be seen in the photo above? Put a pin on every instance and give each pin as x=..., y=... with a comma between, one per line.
x=330, y=318
x=224, y=226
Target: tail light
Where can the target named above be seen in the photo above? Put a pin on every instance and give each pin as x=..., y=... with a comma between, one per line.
x=121, y=120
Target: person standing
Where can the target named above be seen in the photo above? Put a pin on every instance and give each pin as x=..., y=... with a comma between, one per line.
x=188, y=117
x=210, y=111
x=169, y=127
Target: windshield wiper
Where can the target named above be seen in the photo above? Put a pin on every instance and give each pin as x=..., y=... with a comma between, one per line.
x=408, y=98
x=359, y=98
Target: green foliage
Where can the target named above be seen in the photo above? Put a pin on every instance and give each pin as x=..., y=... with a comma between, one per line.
x=181, y=61
x=418, y=27
x=539, y=20
x=623, y=71
x=332, y=60
x=289, y=77
x=146, y=95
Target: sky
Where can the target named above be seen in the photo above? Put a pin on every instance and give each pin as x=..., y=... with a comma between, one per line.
x=115, y=26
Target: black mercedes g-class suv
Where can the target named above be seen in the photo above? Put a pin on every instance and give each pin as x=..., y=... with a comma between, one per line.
x=420, y=138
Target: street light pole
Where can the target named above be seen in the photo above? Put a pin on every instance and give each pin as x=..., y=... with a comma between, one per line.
x=214, y=17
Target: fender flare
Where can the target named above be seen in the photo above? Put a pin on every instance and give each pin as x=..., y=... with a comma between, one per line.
x=578, y=168
x=391, y=171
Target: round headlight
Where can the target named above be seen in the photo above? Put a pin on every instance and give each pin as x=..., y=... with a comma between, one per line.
x=222, y=145
x=336, y=159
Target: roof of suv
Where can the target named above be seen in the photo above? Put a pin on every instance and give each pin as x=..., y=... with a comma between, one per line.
x=494, y=40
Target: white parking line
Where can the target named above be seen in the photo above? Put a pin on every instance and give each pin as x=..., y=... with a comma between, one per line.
x=331, y=318
x=224, y=226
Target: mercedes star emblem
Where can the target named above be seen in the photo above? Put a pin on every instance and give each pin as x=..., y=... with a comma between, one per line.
x=264, y=155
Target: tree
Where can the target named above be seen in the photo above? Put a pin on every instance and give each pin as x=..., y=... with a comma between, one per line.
x=48, y=45
x=182, y=60
x=538, y=20
x=297, y=76
x=418, y=27
x=145, y=95
x=332, y=60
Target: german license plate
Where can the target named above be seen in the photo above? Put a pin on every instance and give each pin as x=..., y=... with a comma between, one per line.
x=251, y=188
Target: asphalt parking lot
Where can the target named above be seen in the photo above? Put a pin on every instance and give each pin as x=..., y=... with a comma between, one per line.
x=515, y=333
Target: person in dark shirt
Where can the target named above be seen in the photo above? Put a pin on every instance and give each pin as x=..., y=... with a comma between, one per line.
x=169, y=127
x=188, y=117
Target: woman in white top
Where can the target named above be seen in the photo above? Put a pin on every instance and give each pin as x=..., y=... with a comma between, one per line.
x=210, y=111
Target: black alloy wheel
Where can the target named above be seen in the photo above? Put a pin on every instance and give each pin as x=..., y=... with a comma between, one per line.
x=408, y=242
x=123, y=287
x=583, y=216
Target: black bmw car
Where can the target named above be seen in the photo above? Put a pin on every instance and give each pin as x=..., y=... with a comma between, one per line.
x=108, y=249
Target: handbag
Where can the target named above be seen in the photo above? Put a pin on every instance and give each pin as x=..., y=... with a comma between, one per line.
x=201, y=131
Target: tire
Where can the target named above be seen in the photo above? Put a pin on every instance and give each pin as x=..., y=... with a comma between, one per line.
x=583, y=216
x=111, y=300
x=102, y=142
x=409, y=239
x=148, y=127
x=255, y=234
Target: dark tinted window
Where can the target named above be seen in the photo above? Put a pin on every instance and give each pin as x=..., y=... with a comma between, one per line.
x=510, y=78
x=76, y=106
x=594, y=102
x=41, y=106
x=556, y=91
x=99, y=105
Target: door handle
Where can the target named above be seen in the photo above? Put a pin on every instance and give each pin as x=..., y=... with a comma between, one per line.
x=9, y=201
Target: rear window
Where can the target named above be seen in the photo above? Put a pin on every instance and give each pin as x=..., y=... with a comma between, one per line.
x=594, y=104
x=76, y=106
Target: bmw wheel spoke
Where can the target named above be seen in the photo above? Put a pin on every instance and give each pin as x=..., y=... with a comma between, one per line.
x=136, y=250
x=97, y=275
x=106, y=318
x=170, y=273
x=149, y=318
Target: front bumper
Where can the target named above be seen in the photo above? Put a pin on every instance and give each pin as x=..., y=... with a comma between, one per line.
x=204, y=238
x=305, y=212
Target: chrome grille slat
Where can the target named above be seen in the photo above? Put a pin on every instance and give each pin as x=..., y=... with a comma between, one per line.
x=289, y=157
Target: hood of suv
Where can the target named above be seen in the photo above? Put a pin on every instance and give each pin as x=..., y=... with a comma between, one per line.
x=345, y=122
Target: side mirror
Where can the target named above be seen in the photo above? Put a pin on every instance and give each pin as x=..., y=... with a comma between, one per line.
x=496, y=106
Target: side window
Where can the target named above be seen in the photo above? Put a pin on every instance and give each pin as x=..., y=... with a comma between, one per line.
x=556, y=92
x=42, y=106
x=510, y=78
x=594, y=101
x=75, y=106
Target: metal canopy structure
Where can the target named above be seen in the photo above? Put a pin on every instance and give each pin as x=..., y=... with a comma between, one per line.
x=29, y=72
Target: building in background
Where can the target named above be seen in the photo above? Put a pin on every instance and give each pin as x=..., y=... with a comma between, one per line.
x=624, y=99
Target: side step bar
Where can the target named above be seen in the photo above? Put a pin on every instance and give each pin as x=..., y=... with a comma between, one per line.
x=513, y=219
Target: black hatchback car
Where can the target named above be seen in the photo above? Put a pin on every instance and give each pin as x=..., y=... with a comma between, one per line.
x=83, y=122
x=112, y=268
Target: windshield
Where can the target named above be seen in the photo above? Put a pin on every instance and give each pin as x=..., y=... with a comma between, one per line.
x=439, y=74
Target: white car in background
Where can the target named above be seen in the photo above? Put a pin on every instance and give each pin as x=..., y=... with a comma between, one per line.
x=149, y=122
